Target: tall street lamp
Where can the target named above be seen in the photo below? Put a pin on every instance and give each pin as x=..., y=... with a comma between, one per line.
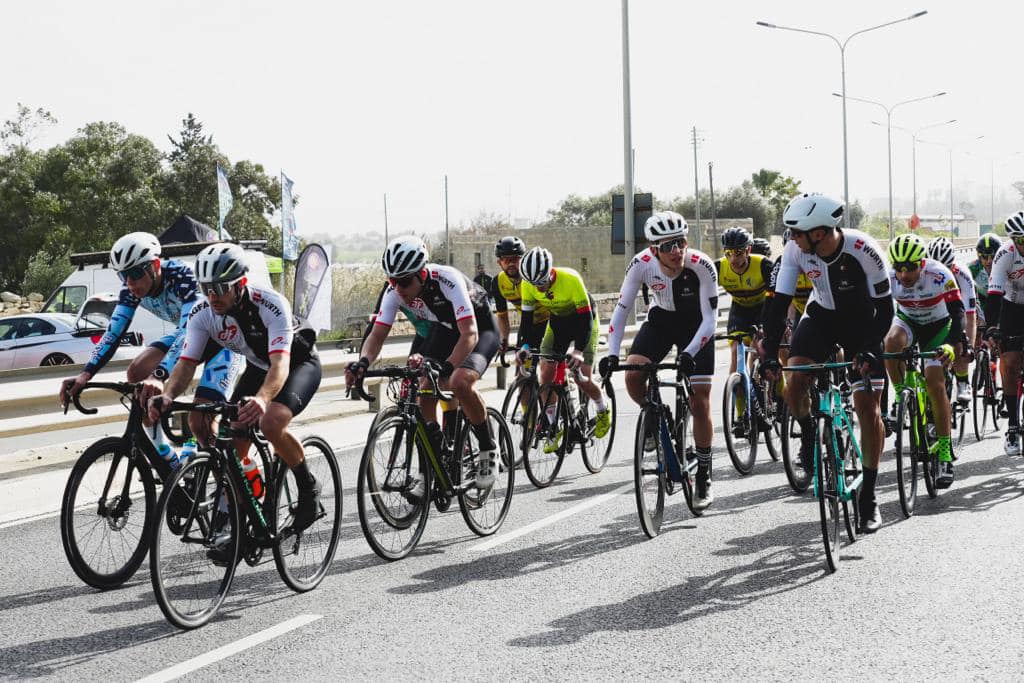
x=950, y=148
x=888, y=129
x=913, y=148
x=842, y=58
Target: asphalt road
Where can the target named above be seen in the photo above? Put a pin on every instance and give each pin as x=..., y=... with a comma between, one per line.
x=741, y=592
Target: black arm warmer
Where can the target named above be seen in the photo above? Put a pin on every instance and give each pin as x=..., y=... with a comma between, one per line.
x=993, y=306
x=956, y=317
x=581, y=324
x=525, y=324
x=884, y=311
x=775, y=322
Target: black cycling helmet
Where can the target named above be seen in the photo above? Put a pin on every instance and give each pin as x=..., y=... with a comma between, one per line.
x=761, y=246
x=736, y=238
x=988, y=244
x=509, y=246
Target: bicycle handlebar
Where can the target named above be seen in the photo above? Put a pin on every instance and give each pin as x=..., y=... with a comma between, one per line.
x=428, y=370
x=123, y=388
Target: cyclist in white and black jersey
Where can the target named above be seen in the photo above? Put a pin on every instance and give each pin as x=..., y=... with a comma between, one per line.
x=458, y=330
x=941, y=250
x=930, y=313
x=1004, y=316
x=850, y=305
x=282, y=370
x=684, y=290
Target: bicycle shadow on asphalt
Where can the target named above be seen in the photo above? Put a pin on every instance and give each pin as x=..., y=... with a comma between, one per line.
x=979, y=496
x=47, y=595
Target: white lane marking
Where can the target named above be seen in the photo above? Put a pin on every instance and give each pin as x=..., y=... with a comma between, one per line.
x=226, y=651
x=30, y=519
x=547, y=521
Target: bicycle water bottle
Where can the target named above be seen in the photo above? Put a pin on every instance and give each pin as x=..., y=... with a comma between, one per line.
x=572, y=391
x=187, y=452
x=168, y=455
x=252, y=473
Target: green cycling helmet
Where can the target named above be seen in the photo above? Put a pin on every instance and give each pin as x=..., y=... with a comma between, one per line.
x=907, y=248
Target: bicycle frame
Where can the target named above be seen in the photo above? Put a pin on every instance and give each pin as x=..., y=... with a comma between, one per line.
x=683, y=392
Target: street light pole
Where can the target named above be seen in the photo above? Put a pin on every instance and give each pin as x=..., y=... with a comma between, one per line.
x=950, y=148
x=842, y=57
x=888, y=129
x=627, y=199
x=913, y=149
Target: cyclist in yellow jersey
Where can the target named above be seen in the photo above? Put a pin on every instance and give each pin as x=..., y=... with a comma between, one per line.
x=745, y=277
x=505, y=290
x=572, y=320
x=796, y=306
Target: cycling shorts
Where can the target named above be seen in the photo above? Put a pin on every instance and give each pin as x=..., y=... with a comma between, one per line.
x=557, y=337
x=816, y=338
x=928, y=336
x=440, y=343
x=662, y=330
x=221, y=368
x=1011, y=324
x=743, y=318
x=303, y=380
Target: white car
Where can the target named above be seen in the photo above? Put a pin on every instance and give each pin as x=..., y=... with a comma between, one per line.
x=35, y=339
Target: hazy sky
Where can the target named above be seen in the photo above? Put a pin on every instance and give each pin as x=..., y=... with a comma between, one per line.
x=520, y=103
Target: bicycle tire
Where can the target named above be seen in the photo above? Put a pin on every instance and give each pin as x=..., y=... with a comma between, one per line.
x=771, y=428
x=851, y=469
x=828, y=492
x=906, y=453
x=308, y=548
x=74, y=508
x=983, y=398
x=599, y=449
x=485, y=511
x=799, y=478
x=743, y=457
x=542, y=468
x=649, y=474
x=185, y=555
x=392, y=520
x=516, y=416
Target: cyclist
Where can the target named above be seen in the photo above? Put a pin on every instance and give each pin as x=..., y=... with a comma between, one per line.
x=745, y=277
x=930, y=312
x=684, y=287
x=572, y=320
x=796, y=306
x=282, y=370
x=980, y=268
x=455, y=329
x=505, y=290
x=850, y=305
x=761, y=246
x=1004, y=316
x=167, y=290
x=941, y=249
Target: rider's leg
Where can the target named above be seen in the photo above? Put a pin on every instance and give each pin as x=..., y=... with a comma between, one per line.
x=1009, y=370
x=636, y=381
x=139, y=369
x=935, y=381
x=899, y=338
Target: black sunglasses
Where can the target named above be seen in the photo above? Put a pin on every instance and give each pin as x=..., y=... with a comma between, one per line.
x=905, y=267
x=667, y=247
x=133, y=273
x=218, y=288
x=403, y=281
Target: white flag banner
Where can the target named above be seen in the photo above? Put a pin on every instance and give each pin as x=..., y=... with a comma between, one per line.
x=224, y=199
x=289, y=239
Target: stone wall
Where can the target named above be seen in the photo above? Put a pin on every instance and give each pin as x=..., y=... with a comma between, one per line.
x=12, y=304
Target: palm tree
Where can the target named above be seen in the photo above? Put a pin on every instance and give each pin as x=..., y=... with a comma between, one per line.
x=764, y=180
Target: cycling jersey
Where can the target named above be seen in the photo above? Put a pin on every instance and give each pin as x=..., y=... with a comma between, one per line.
x=925, y=301
x=259, y=325
x=565, y=296
x=853, y=276
x=1007, y=276
x=980, y=276
x=803, y=288
x=173, y=303
x=689, y=297
x=748, y=288
x=504, y=292
x=966, y=284
x=447, y=296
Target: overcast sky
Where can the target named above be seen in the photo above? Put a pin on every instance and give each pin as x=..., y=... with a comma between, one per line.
x=520, y=103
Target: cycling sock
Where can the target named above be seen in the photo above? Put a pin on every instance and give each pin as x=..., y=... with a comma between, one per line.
x=1013, y=407
x=599, y=404
x=806, y=424
x=945, y=449
x=156, y=435
x=704, y=456
x=867, y=489
x=303, y=477
x=483, y=434
x=961, y=376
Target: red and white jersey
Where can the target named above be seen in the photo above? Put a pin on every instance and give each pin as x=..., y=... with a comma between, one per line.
x=925, y=301
x=691, y=295
x=1007, y=276
x=848, y=281
x=965, y=282
x=447, y=297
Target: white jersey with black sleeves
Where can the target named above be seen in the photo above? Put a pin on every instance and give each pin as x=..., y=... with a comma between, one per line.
x=965, y=282
x=691, y=295
x=1007, y=276
x=847, y=281
x=925, y=301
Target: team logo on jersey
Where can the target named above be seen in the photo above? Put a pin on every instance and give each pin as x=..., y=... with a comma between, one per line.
x=256, y=296
x=859, y=244
x=658, y=286
x=1017, y=274
x=938, y=278
x=277, y=340
x=462, y=309
x=645, y=258
x=228, y=333
x=814, y=274
x=694, y=258
x=949, y=285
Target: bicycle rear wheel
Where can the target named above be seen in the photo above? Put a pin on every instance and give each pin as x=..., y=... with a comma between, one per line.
x=983, y=402
x=106, y=533
x=828, y=490
x=393, y=488
x=303, y=559
x=192, y=567
x=542, y=468
x=649, y=473
x=771, y=428
x=597, y=449
x=906, y=452
x=516, y=410
x=738, y=424
x=797, y=475
x=485, y=510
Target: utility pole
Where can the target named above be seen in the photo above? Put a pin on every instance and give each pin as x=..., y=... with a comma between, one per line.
x=696, y=192
x=627, y=199
x=714, y=224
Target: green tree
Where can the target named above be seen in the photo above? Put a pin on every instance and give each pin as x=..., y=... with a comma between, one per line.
x=595, y=210
x=23, y=129
x=740, y=201
x=764, y=180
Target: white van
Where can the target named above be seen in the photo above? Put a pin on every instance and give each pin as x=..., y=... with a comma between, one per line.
x=93, y=275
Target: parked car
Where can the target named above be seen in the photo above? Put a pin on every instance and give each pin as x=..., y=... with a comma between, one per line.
x=38, y=339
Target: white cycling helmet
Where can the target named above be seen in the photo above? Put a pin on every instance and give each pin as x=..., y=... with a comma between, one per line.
x=536, y=266
x=941, y=250
x=404, y=256
x=1015, y=225
x=664, y=225
x=221, y=263
x=134, y=249
x=812, y=210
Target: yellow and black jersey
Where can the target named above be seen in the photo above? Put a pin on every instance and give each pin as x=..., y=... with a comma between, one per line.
x=505, y=292
x=804, y=287
x=749, y=287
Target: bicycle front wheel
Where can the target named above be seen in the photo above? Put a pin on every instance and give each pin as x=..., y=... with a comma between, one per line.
x=193, y=564
x=485, y=510
x=983, y=403
x=826, y=468
x=740, y=429
x=798, y=476
x=649, y=472
x=547, y=445
x=598, y=448
x=106, y=514
x=303, y=559
x=393, y=489
x=906, y=456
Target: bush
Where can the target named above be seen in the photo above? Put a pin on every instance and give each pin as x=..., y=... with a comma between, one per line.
x=45, y=273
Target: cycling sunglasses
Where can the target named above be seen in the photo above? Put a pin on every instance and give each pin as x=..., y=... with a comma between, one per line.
x=667, y=247
x=133, y=273
x=905, y=267
x=403, y=281
x=986, y=257
x=735, y=252
x=218, y=288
